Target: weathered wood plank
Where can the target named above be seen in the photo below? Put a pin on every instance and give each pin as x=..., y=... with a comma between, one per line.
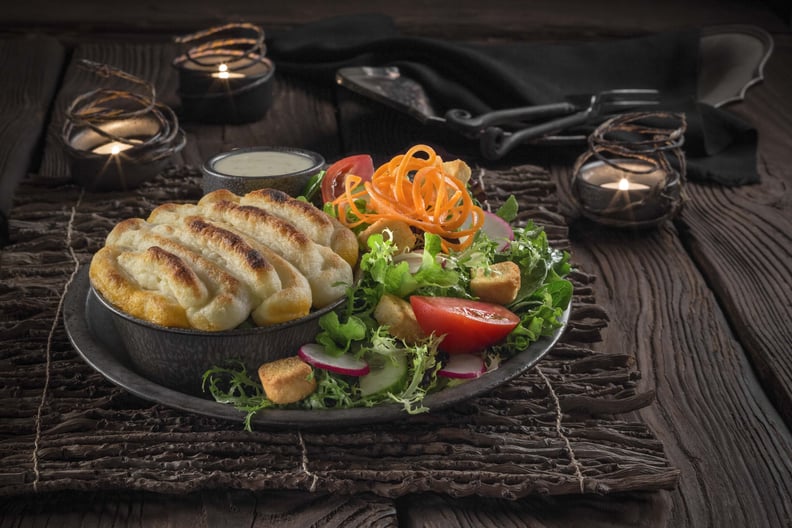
x=711, y=414
x=741, y=238
x=589, y=511
x=219, y=508
x=31, y=69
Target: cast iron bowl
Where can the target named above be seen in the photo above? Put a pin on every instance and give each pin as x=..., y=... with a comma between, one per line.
x=177, y=358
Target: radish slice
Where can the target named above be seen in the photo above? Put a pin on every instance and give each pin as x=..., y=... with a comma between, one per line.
x=414, y=260
x=314, y=354
x=463, y=366
x=497, y=229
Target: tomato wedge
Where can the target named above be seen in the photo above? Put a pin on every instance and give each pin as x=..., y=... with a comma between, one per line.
x=470, y=326
x=333, y=183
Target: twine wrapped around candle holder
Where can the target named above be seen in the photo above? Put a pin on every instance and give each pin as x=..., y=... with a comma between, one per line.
x=225, y=77
x=117, y=139
x=244, y=42
x=632, y=174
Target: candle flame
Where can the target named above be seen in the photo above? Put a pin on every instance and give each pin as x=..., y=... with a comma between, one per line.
x=113, y=148
x=222, y=71
x=624, y=184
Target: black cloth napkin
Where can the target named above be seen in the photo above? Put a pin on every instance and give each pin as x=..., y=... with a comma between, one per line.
x=719, y=147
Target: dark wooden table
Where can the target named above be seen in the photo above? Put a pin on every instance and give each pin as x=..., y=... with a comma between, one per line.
x=703, y=304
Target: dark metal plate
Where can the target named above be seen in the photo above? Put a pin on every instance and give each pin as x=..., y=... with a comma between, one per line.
x=93, y=336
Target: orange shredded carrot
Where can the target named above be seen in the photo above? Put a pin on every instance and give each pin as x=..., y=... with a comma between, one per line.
x=416, y=190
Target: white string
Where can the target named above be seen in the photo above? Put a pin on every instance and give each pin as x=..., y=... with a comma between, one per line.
x=560, y=431
x=305, y=469
x=50, y=336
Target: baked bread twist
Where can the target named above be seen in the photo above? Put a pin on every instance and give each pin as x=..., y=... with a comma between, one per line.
x=211, y=265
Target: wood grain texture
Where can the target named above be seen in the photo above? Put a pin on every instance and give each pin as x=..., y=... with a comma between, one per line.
x=589, y=511
x=741, y=239
x=715, y=422
x=32, y=67
x=209, y=509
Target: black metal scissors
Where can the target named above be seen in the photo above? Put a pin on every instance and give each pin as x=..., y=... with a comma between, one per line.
x=498, y=131
x=532, y=122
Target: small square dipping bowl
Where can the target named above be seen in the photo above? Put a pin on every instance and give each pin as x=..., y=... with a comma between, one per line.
x=244, y=170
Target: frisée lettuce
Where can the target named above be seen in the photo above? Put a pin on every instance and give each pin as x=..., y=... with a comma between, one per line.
x=543, y=296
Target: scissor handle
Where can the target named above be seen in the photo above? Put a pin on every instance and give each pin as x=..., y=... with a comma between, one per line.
x=496, y=142
x=468, y=124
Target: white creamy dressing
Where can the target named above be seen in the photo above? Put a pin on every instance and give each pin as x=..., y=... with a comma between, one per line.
x=262, y=163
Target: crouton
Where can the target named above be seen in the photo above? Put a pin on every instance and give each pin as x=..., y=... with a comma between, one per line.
x=500, y=284
x=457, y=169
x=400, y=318
x=287, y=380
x=399, y=232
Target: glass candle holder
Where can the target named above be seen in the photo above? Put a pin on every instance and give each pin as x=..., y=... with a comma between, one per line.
x=117, y=139
x=633, y=172
x=225, y=77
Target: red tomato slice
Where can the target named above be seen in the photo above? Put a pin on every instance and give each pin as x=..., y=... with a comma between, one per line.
x=333, y=182
x=470, y=326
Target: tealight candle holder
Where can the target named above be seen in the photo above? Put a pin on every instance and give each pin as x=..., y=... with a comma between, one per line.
x=225, y=77
x=633, y=172
x=117, y=139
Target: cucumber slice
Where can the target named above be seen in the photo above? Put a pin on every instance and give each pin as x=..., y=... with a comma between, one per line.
x=390, y=378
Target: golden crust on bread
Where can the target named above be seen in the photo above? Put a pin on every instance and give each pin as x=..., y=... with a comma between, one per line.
x=211, y=265
x=328, y=274
x=229, y=301
x=318, y=226
x=120, y=289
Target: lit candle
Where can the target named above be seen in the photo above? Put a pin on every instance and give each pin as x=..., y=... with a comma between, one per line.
x=633, y=178
x=223, y=73
x=632, y=174
x=625, y=185
x=625, y=190
x=114, y=147
x=224, y=88
x=220, y=65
